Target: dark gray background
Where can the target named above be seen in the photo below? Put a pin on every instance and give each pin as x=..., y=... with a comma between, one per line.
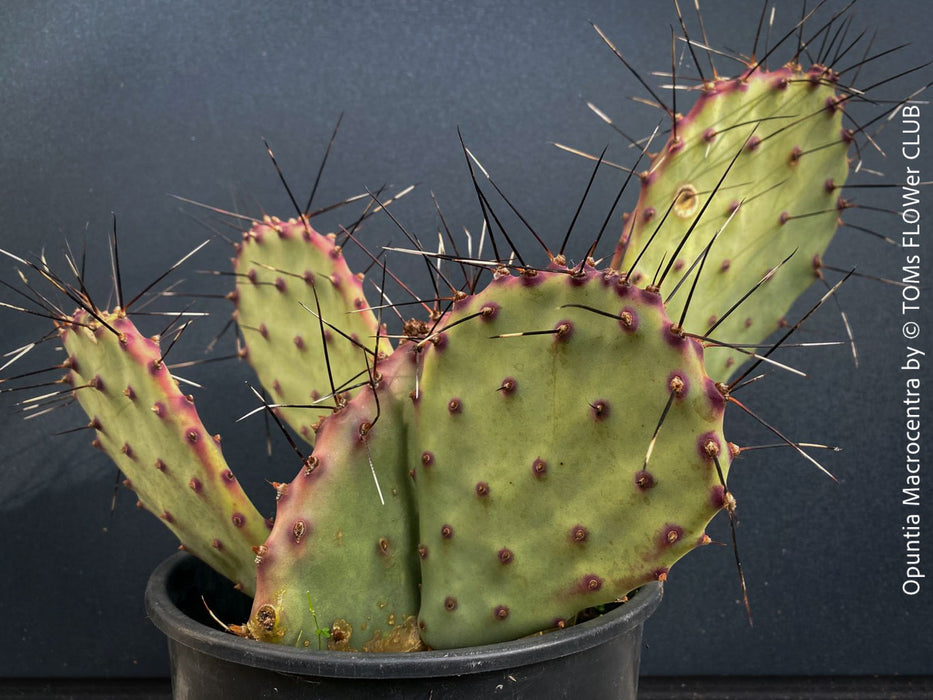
x=111, y=106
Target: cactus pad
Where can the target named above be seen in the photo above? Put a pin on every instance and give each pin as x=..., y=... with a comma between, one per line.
x=342, y=557
x=281, y=266
x=537, y=494
x=786, y=126
x=153, y=433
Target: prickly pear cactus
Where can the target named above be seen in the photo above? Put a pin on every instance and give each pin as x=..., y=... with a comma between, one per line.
x=340, y=568
x=541, y=488
x=153, y=433
x=288, y=273
x=781, y=194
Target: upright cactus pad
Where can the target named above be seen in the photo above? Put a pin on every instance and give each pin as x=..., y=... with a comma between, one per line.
x=153, y=433
x=342, y=557
x=781, y=192
x=287, y=271
x=541, y=490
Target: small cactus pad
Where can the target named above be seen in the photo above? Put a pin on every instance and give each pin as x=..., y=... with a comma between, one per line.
x=153, y=433
x=282, y=265
x=541, y=491
x=783, y=189
x=340, y=568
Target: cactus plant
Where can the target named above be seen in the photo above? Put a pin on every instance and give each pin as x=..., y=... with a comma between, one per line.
x=461, y=479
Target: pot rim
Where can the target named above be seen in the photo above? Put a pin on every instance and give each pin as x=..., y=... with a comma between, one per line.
x=348, y=664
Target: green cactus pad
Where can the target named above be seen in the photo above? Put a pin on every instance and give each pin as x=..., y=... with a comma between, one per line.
x=280, y=266
x=533, y=422
x=782, y=188
x=340, y=569
x=153, y=433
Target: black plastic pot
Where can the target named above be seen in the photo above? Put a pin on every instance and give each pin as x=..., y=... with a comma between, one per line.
x=594, y=659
